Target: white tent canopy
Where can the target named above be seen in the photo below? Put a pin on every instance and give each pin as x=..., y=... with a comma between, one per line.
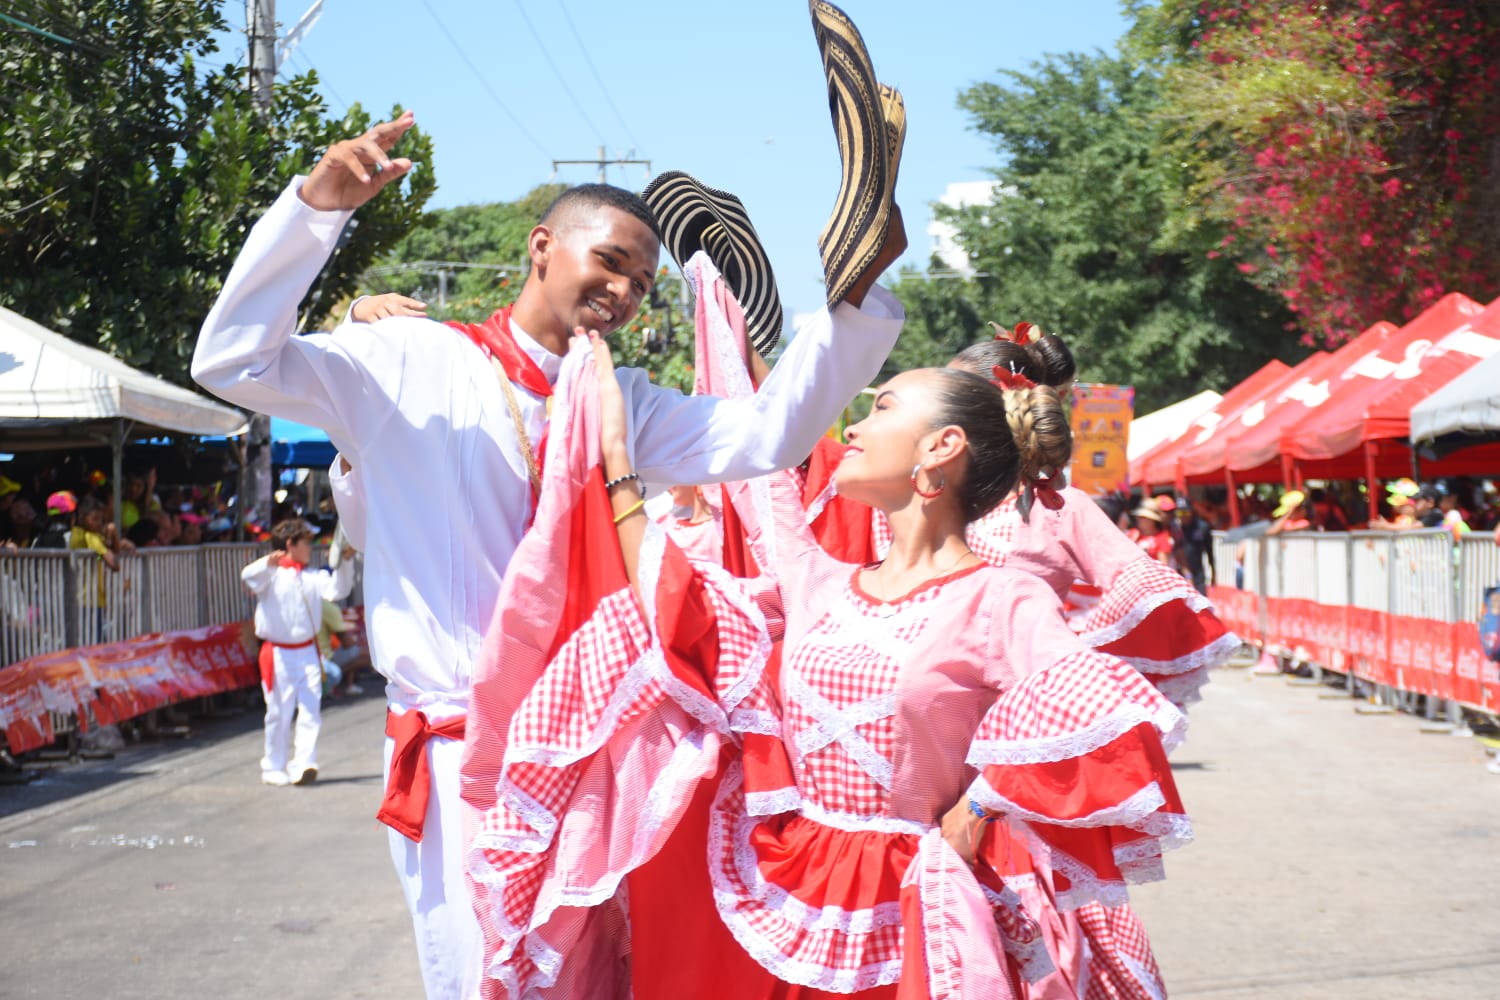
x=1167, y=423
x=1467, y=406
x=55, y=392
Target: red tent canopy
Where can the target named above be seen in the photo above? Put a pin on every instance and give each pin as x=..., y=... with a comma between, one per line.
x=1255, y=455
x=1202, y=461
x=1158, y=467
x=1408, y=365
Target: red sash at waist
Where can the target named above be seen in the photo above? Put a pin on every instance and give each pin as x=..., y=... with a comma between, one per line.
x=268, y=662
x=404, y=808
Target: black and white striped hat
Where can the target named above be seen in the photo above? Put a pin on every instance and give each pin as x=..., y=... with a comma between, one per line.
x=693, y=216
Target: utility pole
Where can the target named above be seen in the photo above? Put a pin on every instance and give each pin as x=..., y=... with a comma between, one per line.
x=255, y=469
x=601, y=161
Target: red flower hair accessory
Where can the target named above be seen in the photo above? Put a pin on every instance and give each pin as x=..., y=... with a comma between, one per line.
x=1022, y=334
x=1007, y=379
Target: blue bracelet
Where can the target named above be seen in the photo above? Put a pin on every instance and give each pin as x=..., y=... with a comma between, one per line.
x=978, y=810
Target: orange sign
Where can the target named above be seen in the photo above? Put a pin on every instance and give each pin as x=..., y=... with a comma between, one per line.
x=1101, y=428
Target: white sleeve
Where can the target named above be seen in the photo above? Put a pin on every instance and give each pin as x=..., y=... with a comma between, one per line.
x=259, y=574
x=335, y=585
x=345, y=383
x=349, y=498
x=704, y=439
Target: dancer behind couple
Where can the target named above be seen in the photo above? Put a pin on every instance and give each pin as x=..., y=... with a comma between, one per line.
x=835, y=857
x=1125, y=604
x=410, y=401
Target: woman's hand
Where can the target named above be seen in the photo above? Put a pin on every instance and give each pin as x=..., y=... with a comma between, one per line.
x=372, y=307
x=612, y=420
x=962, y=830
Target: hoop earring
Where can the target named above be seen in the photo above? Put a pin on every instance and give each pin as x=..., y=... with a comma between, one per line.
x=924, y=494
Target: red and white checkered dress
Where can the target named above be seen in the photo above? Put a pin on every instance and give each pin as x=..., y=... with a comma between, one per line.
x=588, y=751
x=1126, y=604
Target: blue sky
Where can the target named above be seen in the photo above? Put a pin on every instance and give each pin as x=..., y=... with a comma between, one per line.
x=733, y=93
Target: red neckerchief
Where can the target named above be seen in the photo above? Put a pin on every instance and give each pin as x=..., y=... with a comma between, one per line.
x=494, y=338
x=290, y=563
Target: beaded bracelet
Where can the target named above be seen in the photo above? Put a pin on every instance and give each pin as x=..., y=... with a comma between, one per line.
x=979, y=810
x=625, y=479
x=629, y=510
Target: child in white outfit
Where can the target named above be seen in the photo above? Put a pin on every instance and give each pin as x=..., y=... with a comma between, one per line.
x=288, y=612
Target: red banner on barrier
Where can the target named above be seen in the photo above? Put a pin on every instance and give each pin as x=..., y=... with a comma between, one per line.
x=120, y=680
x=1367, y=641
x=1238, y=610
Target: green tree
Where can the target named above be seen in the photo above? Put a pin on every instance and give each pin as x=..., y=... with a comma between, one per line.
x=1084, y=238
x=131, y=171
x=1350, y=147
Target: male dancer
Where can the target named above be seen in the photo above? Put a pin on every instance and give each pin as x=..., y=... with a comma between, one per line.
x=443, y=430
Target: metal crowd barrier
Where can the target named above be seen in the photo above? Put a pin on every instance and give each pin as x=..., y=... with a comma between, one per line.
x=1387, y=606
x=53, y=601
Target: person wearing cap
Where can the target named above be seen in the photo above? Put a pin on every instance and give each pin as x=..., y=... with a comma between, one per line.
x=58, y=530
x=1292, y=513
x=1150, y=531
x=288, y=615
x=464, y=412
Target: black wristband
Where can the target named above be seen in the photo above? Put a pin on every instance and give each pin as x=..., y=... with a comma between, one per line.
x=625, y=479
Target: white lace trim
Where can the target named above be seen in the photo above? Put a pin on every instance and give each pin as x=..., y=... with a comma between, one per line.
x=1032, y=957
x=855, y=823
x=1130, y=813
x=1203, y=658
x=1141, y=610
x=653, y=551
x=728, y=589
x=755, y=720
x=651, y=665
x=1171, y=830
x=1155, y=990
x=773, y=803
x=1166, y=719
x=821, y=501
x=1184, y=689
x=795, y=913
x=845, y=732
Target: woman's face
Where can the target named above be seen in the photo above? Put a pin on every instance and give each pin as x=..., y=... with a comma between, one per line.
x=885, y=446
x=93, y=521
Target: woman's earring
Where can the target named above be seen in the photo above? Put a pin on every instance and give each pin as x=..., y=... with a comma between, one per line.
x=924, y=494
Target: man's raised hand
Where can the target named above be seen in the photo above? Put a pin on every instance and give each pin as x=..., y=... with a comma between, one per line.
x=355, y=170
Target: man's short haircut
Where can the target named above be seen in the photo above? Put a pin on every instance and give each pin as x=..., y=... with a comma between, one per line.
x=287, y=532
x=597, y=196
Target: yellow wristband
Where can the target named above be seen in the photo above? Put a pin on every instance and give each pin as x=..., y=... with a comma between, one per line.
x=630, y=510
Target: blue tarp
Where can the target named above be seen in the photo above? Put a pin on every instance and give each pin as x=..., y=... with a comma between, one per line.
x=298, y=446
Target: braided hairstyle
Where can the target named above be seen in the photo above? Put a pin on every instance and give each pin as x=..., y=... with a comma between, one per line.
x=1045, y=360
x=1012, y=433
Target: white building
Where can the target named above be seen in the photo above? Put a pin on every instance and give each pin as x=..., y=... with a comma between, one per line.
x=944, y=246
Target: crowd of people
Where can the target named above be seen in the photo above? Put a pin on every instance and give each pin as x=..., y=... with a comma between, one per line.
x=47, y=511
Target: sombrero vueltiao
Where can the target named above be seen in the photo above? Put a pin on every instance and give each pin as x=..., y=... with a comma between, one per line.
x=693, y=216
x=869, y=122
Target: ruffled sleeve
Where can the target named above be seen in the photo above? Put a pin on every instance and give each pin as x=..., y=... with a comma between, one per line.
x=1074, y=752
x=603, y=757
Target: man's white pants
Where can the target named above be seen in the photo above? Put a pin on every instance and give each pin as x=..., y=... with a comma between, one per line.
x=299, y=692
x=449, y=944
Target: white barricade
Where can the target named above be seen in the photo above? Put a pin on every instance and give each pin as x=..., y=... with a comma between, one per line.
x=1225, y=560
x=1370, y=557
x=35, y=600
x=52, y=600
x=1331, y=559
x=1478, y=569
x=1423, y=581
x=1299, y=565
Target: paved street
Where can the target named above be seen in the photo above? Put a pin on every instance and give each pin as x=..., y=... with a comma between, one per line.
x=1338, y=856
x=184, y=877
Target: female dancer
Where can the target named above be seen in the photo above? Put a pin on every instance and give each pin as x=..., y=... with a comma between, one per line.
x=919, y=701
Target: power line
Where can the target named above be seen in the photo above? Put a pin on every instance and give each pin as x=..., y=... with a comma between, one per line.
x=589, y=61
x=558, y=73
x=297, y=56
x=34, y=29
x=483, y=82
